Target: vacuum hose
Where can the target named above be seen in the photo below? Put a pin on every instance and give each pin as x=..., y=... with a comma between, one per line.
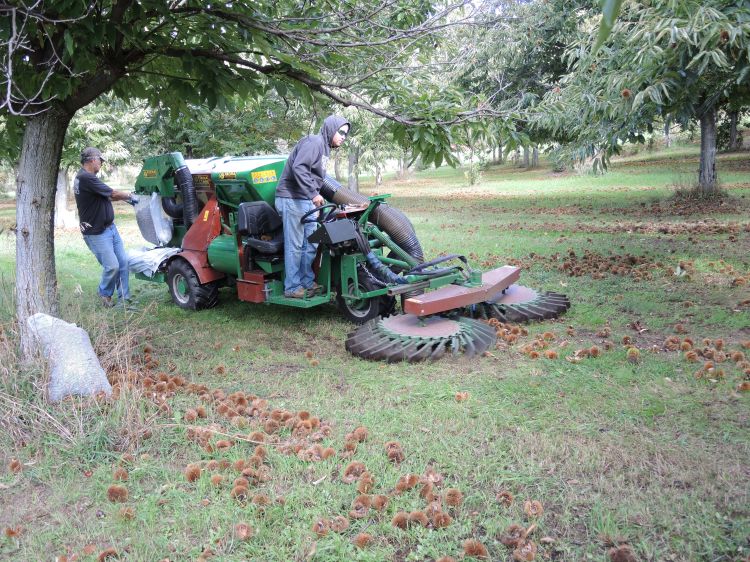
x=389, y=219
x=171, y=207
x=189, y=200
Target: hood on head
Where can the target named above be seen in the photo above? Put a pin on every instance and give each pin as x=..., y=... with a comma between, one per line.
x=332, y=124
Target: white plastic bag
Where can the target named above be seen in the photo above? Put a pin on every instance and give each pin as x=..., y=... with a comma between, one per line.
x=148, y=260
x=74, y=366
x=155, y=225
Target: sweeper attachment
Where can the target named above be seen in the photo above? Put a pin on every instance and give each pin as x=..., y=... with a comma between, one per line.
x=214, y=225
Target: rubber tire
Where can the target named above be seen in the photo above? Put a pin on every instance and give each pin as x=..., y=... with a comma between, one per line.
x=370, y=309
x=196, y=296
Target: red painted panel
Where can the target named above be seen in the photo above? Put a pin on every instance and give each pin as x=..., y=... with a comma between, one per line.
x=206, y=227
x=199, y=261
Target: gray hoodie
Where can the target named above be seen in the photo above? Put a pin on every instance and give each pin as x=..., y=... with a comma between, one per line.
x=305, y=168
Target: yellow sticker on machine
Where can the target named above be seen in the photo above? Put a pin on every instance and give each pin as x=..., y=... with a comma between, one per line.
x=149, y=173
x=264, y=176
x=201, y=180
x=227, y=175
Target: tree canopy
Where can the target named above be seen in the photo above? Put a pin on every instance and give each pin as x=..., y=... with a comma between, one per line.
x=662, y=57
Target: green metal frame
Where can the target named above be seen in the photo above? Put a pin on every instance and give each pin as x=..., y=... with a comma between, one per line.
x=259, y=183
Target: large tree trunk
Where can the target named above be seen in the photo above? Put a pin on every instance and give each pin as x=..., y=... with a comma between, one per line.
x=733, y=130
x=525, y=156
x=36, y=280
x=378, y=175
x=535, y=157
x=354, y=168
x=707, y=171
x=667, y=127
x=500, y=153
x=64, y=216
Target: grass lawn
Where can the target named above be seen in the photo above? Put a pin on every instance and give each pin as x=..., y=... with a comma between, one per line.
x=610, y=417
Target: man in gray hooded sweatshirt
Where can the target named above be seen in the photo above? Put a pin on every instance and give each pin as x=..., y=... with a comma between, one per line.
x=297, y=193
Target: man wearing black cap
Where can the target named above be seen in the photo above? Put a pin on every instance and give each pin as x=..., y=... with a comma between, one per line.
x=97, y=221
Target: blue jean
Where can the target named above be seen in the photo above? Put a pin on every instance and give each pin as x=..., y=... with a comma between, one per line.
x=299, y=252
x=110, y=252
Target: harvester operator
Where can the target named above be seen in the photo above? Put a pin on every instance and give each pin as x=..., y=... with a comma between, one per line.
x=297, y=193
x=97, y=222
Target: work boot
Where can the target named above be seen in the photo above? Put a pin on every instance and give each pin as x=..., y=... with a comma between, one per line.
x=314, y=290
x=300, y=293
x=107, y=302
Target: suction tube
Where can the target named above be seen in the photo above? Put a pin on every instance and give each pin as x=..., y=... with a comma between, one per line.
x=391, y=220
x=189, y=200
x=171, y=207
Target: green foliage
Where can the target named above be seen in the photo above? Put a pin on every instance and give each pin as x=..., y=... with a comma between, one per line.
x=610, y=11
x=190, y=58
x=661, y=58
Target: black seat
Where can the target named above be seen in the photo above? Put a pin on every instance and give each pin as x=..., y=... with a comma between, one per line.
x=262, y=225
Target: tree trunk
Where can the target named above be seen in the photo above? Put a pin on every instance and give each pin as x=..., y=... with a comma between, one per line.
x=36, y=279
x=707, y=171
x=667, y=127
x=525, y=157
x=378, y=175
x=337, y=167
x=733, y=131
x=64, y=216
x=354, y=168
x=535, y=157
x=501, y=153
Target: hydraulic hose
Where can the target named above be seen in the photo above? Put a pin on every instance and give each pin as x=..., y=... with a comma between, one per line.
x=378, y=267
x=391, y=220
x=185, y=183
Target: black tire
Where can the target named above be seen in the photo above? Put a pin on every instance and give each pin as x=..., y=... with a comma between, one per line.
x=186, y=290
x=363, y=310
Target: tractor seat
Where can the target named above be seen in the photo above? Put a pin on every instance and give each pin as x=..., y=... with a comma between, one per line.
x=262, y=225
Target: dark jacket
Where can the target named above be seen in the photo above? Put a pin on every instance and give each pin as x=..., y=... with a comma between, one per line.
x=305, y=168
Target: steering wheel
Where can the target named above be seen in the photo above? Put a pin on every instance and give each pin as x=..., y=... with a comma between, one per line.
x=322, y=217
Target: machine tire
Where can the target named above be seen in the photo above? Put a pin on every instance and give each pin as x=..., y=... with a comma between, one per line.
x=362, y=311
x=186, y=289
